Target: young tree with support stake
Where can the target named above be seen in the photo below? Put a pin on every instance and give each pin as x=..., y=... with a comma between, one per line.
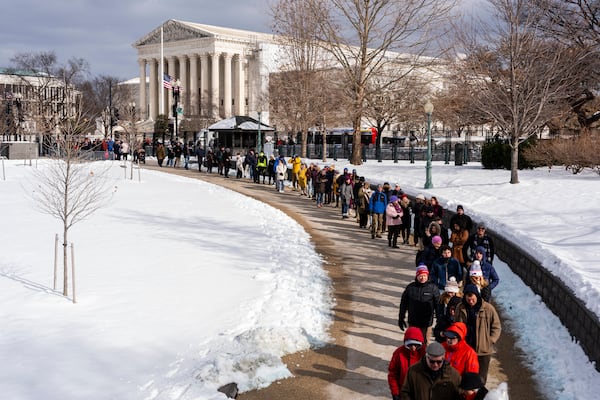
x=66, y=186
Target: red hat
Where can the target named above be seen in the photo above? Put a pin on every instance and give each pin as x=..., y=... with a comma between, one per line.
x=422, y=269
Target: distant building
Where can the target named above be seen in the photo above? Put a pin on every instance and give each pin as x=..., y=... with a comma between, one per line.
x=33, y=103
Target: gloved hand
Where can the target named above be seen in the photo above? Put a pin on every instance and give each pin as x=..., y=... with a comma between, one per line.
x=402, y=324
x=395, y=397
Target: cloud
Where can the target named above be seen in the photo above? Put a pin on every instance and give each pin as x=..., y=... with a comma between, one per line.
x=102, y=32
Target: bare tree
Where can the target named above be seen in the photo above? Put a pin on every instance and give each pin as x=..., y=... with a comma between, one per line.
x=361, y=35
x=304, y=93
x=49, y=95
x=67, y=188
x=576, y=23
x=518, y=80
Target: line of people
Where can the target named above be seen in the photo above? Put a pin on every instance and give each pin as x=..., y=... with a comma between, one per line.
x=449, y=299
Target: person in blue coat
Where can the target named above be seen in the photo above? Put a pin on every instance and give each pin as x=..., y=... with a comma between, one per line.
x=444, y=267
x=377, y=204
x=488, y=270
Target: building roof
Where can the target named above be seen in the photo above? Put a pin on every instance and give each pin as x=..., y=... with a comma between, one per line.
x=175, y=30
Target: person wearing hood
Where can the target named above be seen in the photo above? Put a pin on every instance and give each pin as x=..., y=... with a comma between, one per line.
x=458, y=353
x=420, y=299
x=403, y=358
x=483, y=326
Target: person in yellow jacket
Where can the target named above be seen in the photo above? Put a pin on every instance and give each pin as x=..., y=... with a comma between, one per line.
x=295, y=163
x=302, y=181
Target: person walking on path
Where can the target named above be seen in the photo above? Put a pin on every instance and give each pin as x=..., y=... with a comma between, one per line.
x=458, y=353
x=403, y=358
x=393, y=216
x=432, y=378
x=377, y=204
x=483, y=326
x=420, y=299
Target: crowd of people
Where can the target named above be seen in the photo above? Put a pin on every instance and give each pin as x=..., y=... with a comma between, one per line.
x=450, y=325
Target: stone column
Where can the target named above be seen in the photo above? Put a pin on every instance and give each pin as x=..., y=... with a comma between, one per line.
x=204, y=100
x=142, y=112
x=193, y=92
x=169, y=93
x=227, y=85
x=185, y=86
x=154, y=82
x=240, y=92
x=214, y=85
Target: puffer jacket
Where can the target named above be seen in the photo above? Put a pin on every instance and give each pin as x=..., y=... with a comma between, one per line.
x=461, y=356
x=420, y=300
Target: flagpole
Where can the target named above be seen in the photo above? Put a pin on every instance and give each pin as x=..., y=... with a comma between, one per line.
x=162, y=74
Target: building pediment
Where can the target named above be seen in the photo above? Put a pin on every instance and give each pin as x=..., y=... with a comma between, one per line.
x=173, y=31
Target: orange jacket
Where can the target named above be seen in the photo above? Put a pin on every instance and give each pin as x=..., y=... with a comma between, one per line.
x=461, y=356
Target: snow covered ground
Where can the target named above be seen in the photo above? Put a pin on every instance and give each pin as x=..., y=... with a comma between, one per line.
x=183, y=286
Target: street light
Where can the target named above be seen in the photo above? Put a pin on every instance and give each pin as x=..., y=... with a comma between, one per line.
x=176, y=87
x=259, y=141
x=395, y=134
x=428, y=108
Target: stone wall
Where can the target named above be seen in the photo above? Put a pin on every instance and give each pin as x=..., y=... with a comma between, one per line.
x=581, y=323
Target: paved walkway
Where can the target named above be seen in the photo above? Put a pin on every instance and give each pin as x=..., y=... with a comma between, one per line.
x=368, y=278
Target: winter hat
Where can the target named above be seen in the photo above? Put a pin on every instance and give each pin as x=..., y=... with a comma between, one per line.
x=420, y=197
x=475, y=269
x=471, y=381
x=480, y=249
x=393, y=199
x=413, y=335
x=436, y=239
x=434, y=349
x=451, y=285
x=470, y=288
x=422, y=269
x=459, y=207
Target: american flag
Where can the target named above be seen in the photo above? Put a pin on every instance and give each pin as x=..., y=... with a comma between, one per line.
x=167, y=81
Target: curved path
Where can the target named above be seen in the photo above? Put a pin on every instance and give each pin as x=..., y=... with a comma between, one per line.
x=368, y=278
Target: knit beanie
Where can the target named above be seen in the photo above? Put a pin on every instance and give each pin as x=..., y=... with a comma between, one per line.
x=475, y=269
x=422, y=269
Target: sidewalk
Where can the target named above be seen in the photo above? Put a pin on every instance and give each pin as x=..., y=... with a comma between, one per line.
x=368, y=278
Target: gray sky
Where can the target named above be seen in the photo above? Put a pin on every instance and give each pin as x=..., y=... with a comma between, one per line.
x=102, y=31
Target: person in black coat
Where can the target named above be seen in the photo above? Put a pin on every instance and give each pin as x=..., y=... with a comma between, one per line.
x=420, y=299
x=462, y=219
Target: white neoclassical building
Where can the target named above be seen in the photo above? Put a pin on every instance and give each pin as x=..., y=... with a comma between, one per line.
x=221, y=72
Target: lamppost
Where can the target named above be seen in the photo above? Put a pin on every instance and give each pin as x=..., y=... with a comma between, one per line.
x=428, y=108
x=19, y=104
x=259, y=141
x=395, y=134
x=448, y=141
x=176, y=87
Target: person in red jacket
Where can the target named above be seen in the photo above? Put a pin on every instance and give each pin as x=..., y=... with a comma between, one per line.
x=458, y=353
x=405, y=356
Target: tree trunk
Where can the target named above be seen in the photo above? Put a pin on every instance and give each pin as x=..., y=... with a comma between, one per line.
x=514, y=161
x=303, y=146
x=65, y=264
x=356, y=158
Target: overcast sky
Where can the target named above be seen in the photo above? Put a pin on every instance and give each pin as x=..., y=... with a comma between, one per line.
x=102, y=32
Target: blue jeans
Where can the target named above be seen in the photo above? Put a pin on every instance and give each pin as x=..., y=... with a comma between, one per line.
x=320, y=198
